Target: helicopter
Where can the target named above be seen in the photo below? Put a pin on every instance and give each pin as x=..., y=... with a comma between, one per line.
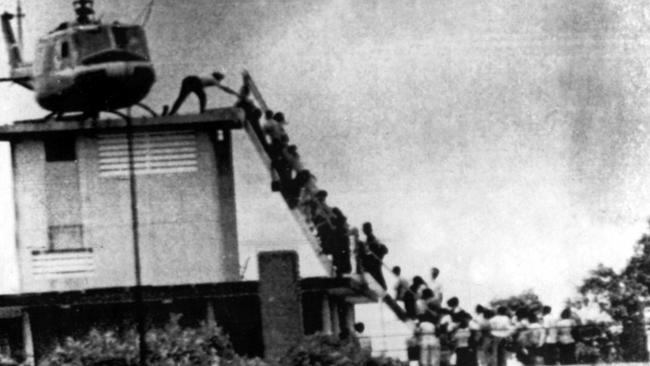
x=83, y=66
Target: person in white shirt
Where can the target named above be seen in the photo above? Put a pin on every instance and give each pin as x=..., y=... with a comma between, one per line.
x=364, y=341
x=566, y=343
x=501, y=328
x=550, y=337
x=480, y=325
x=521, y=336
x=401, y=284
x=429, y=344
x=535, y=338
x=462, y=339
x=500, y=324
x=447, y=321
x=196, y=84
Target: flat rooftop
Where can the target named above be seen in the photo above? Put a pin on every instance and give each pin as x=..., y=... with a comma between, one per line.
x=219, y=118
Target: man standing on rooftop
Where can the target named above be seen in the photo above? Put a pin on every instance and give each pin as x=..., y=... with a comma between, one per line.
x=196, y=84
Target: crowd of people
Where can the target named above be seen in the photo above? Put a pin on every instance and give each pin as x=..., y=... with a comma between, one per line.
x=531, y=333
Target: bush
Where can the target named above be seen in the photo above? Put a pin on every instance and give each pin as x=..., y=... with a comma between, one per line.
x=205, y=345
x=98, y=347
x=174, y=345
x=324, y=350
x=328, y=350
x=597, y=343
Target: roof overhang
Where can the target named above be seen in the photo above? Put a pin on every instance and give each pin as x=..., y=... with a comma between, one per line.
x=220, y=118
x=348, y=288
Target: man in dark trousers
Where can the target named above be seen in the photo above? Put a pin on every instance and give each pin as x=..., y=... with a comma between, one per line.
x=375, y=255
x=196, y=84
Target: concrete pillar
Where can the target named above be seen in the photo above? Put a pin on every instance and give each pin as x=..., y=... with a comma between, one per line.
x=334, y=312
x=227, y=220
x=28, y=341
x=280, y=300
x=209, y=313
x=325, y=316
x=347, y=316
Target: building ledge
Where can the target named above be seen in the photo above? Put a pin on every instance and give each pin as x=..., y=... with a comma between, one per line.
x=220, y=118
x=346, y=287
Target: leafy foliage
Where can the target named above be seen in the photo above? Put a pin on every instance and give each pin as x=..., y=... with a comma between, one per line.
x=597, y=343
x=321, y=349
x=328, y=350
x=617, y=294
x=96, y=348
x=205, y=345
x=622, y=295
x=527, y=299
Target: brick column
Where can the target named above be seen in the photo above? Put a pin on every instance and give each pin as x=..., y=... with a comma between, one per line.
x=280, y=301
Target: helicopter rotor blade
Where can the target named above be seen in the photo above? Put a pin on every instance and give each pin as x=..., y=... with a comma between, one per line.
x=14, y=80
x=143, y=17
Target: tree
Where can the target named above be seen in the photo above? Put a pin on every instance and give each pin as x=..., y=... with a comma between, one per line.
x=526, y=300
x=622, y=295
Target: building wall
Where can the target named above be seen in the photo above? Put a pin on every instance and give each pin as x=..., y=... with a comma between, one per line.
x=187, y=219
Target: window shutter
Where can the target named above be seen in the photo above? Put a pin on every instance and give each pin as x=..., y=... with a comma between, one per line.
x=153, y=153
x=63, y=264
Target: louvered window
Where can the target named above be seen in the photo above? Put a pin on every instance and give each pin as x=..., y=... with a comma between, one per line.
x=153, y=153
x=63, y=264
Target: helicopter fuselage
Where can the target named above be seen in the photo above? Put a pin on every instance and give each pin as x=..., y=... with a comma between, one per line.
x=92, y=67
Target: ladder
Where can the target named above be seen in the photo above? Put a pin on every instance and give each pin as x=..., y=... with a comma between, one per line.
x=372, y=289
x=306, y=226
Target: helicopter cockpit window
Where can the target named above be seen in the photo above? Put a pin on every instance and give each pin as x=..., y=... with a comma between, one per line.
x=65, y=50
x=130, y=39
x=92, y=41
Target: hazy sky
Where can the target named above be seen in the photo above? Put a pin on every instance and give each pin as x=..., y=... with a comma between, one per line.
x=502, y=141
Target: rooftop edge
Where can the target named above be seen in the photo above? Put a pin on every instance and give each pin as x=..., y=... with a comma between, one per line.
x=219, y=118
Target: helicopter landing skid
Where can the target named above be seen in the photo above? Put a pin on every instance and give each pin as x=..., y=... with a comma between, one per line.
x=148, y=109
x=70, y=117
x=85, y=116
